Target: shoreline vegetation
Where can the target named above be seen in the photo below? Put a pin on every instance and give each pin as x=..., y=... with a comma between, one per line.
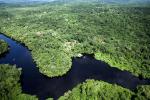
x=55, y=33
x=3, y=47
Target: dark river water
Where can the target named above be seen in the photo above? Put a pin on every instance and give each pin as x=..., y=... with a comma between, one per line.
x=85, y=67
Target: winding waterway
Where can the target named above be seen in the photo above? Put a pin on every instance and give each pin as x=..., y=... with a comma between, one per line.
x=85, y=67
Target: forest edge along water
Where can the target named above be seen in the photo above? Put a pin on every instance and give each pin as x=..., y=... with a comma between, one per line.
x=86, y=67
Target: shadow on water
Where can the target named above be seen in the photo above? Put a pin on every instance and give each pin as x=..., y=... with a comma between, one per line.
x=85, y=67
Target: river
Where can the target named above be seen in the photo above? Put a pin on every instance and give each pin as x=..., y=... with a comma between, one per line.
x=85, y=67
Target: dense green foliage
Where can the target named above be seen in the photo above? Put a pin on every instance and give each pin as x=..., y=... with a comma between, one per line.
x=143, y=93
x=97, y=90
x=10, y=89
x=118, y=35
x=3, y=47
